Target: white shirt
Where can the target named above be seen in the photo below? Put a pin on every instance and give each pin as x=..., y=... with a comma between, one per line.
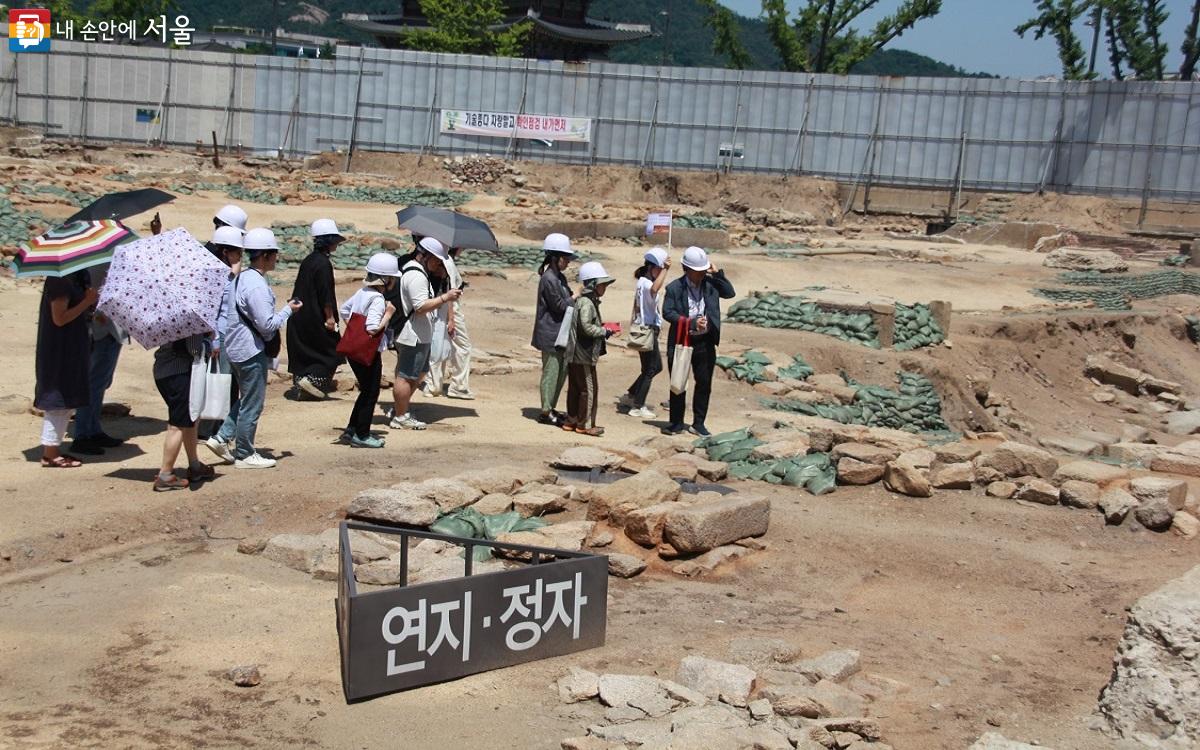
x=415, y=290
x=647, y=303
x=369, y=303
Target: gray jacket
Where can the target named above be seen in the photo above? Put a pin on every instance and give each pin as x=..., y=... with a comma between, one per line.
x=554, y=297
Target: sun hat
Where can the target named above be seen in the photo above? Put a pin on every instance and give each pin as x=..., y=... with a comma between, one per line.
x=260, y=240
x=657, y=256
x=594, y=272
x=230, y=236
x=558, y=243
x=434, y=248
x=696, y=259
x=233, y=216
x=325, y=227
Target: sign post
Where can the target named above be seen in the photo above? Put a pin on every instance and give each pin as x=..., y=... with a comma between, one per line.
x=408, y=636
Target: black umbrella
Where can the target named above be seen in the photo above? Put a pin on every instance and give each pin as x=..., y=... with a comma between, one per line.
x=448, y=227
x=122, y=205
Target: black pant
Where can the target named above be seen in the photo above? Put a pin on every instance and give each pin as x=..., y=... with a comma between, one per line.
x=704, y=361
x=651, y=366
x=368, y=395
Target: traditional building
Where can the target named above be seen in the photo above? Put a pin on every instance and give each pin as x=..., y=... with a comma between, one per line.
x=561, y=29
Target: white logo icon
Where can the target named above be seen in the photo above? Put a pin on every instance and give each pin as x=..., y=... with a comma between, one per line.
x=30, y=30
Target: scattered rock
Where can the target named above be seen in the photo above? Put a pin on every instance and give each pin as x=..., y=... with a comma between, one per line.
x=704, y=526
x=1090, y=471
x=760, y=709
x=1038, y=491
x=870, y=454
x=1116, y=504
x=625, y=566
x=251, y=546
x=1077, y=494
x=568, y=536
x=854, y=472
x=1132, y=433
x=638, y=491
x=775, y=450
x=1003, y=490
x=906, y=480
x=994, y=741
x=1176, y=463
x=403, y=503
x=296, y=551
x=1073, y=445
x=1183, y=423
x=534, y=504
x=1186, y=525
x=758, y=651
x=244, y=676
x=832, y=665
x=505, y=479
x=1155, y=682
x=645, y=525
x=599, y=538
x=586, y=458
x=1159, y=498
x=960, y=476
x=490, y=505
x=449, y=494
x=953, y=453
x=578, y=685
x=618, y=690
x=1086, y=259
x=1017, y=460
x=730, y=683
x=709, y=561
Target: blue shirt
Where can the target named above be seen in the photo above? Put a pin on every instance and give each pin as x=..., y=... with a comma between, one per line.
x=253, y=296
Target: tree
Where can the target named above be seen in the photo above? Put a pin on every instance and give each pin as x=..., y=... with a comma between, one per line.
x=1191, y=45
x=1057, y=17
x=467, y=27
x=727, y=41
x=819, y=39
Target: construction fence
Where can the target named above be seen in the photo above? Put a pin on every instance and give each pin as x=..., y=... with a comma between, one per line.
x=1104, y=138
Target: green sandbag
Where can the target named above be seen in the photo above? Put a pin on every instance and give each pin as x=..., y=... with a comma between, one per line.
x=823, y=483
x=470, y=523
x=741, y=469
x=735, y=436
x=726, y=362
x=757, y=358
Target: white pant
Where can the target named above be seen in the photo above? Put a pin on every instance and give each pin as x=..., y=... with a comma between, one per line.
x=458, y=362
x=54, y=427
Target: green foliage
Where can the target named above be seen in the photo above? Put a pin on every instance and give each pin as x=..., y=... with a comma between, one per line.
x=727, y=41
x=1134, y=36
x=130, y=9
x=465, y=27
x=1191, y=45
x=1057, y=17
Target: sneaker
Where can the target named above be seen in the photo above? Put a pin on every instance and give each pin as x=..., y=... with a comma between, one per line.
x=370, y=441
x=309, y=387
x=406, y=422
x=221, y=450
x=255, y=461
x=642, y=413
x=699, y=429
x=166, y=485
x=461, y=395
x=200, y=473
x=389, y=412
x=673, y=429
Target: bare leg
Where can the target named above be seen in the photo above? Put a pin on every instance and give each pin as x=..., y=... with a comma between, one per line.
x=402, y=391
x=189, y=445
x=171, y=445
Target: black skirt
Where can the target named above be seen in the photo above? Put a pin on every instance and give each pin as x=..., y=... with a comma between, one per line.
x=311, y=347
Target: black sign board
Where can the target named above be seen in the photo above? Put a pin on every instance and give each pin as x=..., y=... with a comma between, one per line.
x=409, y=636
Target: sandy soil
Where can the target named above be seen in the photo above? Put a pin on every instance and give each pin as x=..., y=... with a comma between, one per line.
x=123, y=608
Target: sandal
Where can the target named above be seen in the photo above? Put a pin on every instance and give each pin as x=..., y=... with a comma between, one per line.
x=591, y=431
x=61, y=462
x=569, y=428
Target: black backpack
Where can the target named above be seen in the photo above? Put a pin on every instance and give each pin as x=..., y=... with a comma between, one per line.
x=400, y=318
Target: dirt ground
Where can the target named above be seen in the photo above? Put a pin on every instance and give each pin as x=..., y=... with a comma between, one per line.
x=122, y=608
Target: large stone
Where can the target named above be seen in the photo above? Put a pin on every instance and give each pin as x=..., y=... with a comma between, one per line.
x=1153, y=695
x=711, y=560
x=1134, y=453
x=960, y=476
x=505, y=479
x=533, y=504
x=619, y=690
x=1002, y=490
x=1103, y=439
x=1090, y=471
x=586, y=458
x=1115, y=374
x=831, y=665
x=757, y=651
x=625, y=566
x=1077, y=494
x=953, y=453
x=701, y=527
x=1018, y=460
x=1183, y=423
x=906, y=480
x=790, y=447
x=565, y=536
x=731, y=683
x=1115, y=504
x=490, y=505
x=1132, y=433
x=1073, y=445
x=1186, y=525
x=821, y=699
x=401, y=503
x=870, y=454
x=995, y=741
x=296, y=551
x=450, y=494
x=1159, y=498
x=1038, y=491
x=1176, y=463
x=638, y=491
x=854, y=472
x=918, y=458
x=1086, y=259
x=645, y=525
x=676, y=468
x=578, y=685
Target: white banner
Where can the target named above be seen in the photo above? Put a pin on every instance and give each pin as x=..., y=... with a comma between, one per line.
x=658, y=223
x=506, y=125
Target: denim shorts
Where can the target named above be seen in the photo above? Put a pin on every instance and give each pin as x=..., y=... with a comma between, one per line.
x=412, y=362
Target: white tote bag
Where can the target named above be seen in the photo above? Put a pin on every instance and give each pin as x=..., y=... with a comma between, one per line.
x=681, y=362
x=217, y=385
x=564, y=329
x=198, y=384
x=439, y=346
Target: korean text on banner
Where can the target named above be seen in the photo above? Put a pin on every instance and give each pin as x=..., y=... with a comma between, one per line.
x=507, y=125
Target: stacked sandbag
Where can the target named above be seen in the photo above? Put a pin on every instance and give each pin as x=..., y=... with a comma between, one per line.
x=391, y=195
x=916, y=328
x=813, y=471
x=510, y=256
x=698, y=221
x=749, y=368
x=914, y=407
x=773, y=310
x=1115, y=291
x=17, y=226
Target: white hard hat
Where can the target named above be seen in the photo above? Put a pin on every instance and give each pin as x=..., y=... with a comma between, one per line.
x=323, y=227
x=260, y=240
x=435, y=248
x=233, y=216
x=558, y=243
x=657, y=256
x=231, y=236
x=696, y=259
x=593, y=271
x=383, y=264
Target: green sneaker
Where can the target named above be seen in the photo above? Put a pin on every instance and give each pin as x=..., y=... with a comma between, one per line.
x=370, y=441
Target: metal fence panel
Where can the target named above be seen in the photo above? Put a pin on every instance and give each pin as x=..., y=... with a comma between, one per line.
x=1104, y=137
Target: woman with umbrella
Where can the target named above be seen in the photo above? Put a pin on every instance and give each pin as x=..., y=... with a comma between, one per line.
x=312, y=336
x=63, y=355
x=554, y=297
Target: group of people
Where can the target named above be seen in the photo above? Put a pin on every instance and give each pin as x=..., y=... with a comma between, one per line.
x=411, y=303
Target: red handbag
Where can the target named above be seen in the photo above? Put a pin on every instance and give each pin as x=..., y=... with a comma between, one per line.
x=356, y=343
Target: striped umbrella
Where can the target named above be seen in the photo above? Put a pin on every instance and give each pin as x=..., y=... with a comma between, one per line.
x=71, y=247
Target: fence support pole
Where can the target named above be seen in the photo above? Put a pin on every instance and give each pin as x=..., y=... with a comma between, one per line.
x=798, y=159
x=737, y=116
x=1052, y=158
x=1149, y=164
x=960, y=168
x=166, y=105
x=866, y=161
x=14, y=112
x=362, y=52
x=233, y=83
x=83, y=100
x=513, y=148
x=46, y=97
x=431, y=128
x=596, y=128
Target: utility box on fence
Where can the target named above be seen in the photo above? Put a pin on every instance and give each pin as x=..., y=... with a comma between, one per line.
x=408, y=636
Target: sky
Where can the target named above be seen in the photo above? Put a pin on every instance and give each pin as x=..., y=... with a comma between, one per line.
x=977, y=35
